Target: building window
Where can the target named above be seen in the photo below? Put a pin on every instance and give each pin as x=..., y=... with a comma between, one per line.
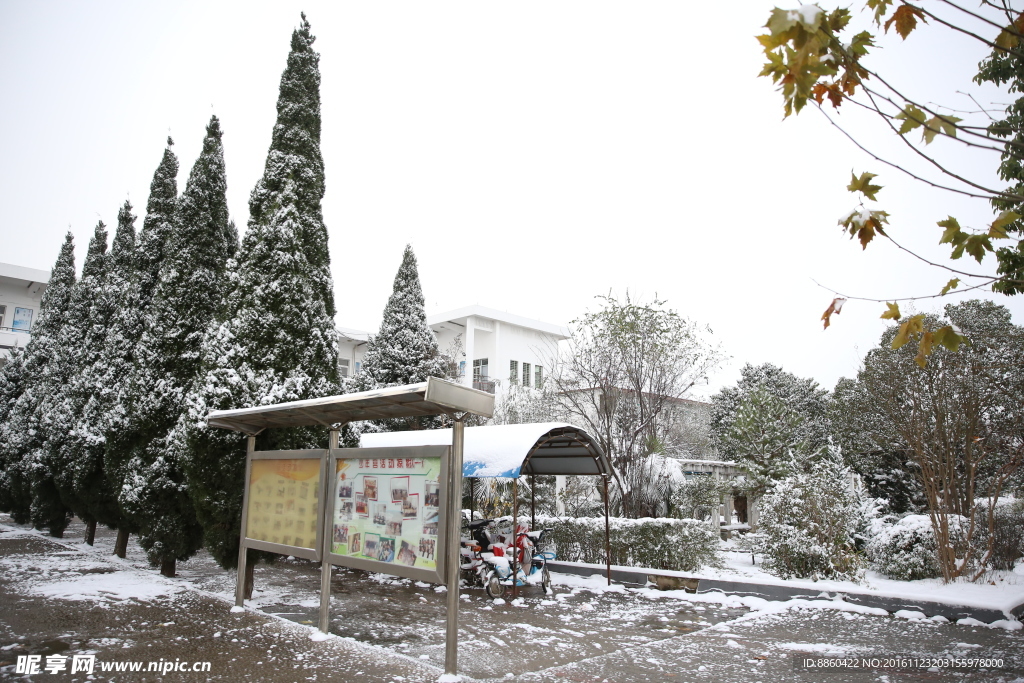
x=526, y=374
x=513, y=371
x=3, y=316
x=480, y=370
x=343, y=366
x=359, y=367
x=462, y=368
x=538, y=376
x=22, y=319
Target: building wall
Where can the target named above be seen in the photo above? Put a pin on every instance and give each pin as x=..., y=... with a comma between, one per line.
x=21, y=290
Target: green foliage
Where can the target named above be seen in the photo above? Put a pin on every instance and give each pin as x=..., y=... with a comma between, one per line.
x=808, y=525
x=906, y=551
x=698, y=496
x=275, y=340
x=653, y=543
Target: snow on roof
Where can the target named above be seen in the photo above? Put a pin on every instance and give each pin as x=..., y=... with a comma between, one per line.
x=501, y=450
x=479, y=311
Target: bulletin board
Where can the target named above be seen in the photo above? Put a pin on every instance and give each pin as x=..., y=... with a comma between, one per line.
x=284, y=494
x=387, y=510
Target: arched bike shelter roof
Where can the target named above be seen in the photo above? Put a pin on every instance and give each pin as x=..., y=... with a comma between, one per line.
x=510, y=451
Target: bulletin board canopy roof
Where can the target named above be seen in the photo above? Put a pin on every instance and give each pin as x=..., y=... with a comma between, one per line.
x=509, y=451
x=433, y=397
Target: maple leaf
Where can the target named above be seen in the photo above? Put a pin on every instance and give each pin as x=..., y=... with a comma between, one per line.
x=893, y=313
x=863, y=185
x=952, y=284
x=1007, y=38
x=912, y=117
x=997, y=230
x=835, y=307
x=951, y=232
x=913, y=325
x=949, y=337
x=977, y=245
x=880, y=7
x=905, y=17
x=939, y=124
x=924, y=349
x=864, y=225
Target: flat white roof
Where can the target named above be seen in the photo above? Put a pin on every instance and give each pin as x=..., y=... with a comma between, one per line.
x=479, y=311
x=9, y=270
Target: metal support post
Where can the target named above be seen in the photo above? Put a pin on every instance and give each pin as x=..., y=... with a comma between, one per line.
x=325, y=562
x=250, y=448
x=607, y=534
x=533, y=503
x=515, y=537
x=452, y=537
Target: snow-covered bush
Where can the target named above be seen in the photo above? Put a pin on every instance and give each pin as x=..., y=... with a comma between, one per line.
x=697, y=497
x=654, y=543
x=906, y=550
x=808, y=524
x=1008, y=539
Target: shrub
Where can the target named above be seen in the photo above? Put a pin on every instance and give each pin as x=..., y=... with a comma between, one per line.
x=654, y=543
x=1008, y=540
x=906, y=551
x=808, y=525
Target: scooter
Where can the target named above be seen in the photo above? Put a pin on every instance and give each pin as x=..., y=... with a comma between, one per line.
x=483, y=560
x=532, y=563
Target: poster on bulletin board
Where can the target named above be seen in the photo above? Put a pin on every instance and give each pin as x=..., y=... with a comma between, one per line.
x=283, y=500
x=387, y=510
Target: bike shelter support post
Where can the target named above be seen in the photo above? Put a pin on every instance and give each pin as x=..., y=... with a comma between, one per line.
x=533, y=503
x=453, y=536
x=607, y=533
x=243, y=551
x=515, y=535
x=325, y=562
x=472, y=498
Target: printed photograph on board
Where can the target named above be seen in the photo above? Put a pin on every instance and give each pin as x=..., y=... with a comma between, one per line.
x=381, y=510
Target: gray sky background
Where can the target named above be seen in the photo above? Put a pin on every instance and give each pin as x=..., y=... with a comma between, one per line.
x=534, y=154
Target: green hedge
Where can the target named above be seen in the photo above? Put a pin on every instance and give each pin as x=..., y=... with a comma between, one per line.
x=662, y=543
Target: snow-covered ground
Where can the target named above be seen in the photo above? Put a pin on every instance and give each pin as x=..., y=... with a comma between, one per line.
x=999, y=590
x=586, y=631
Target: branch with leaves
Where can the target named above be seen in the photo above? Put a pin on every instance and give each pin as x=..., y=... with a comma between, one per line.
x=814, y=59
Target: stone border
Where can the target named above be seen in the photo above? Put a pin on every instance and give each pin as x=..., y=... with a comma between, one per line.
x=672, y=581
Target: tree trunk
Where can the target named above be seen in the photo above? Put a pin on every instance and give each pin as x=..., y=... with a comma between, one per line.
x=167, y=567
x=90, y=532
x=250, y=577
x=57, y=533
x=121, y=546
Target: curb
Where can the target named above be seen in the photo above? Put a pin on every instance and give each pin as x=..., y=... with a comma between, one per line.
x=668, y=581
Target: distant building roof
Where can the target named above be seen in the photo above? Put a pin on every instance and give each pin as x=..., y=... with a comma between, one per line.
x=9, y=270
x=353, y=334
x=479, y=311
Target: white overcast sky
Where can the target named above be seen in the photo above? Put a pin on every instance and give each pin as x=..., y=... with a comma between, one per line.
x=534, y=154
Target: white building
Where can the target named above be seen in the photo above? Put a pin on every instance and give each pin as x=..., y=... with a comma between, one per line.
x=494, y=348
x=21, y=290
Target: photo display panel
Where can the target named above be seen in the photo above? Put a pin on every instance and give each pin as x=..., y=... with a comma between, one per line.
x=387, y=510
x=284, y=501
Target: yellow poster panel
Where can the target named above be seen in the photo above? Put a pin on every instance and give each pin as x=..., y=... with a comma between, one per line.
x=283, y=503
x=386, y=509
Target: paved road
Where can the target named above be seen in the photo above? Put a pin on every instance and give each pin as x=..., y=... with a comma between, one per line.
x=392, y=630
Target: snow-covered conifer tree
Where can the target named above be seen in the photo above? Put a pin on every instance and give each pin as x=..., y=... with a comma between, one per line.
x=187, y=296
x=25, y=491
x=70, y=366
x=12, y=384
x=120, y=427
x=115, y=328
x=404, y=351
x=276, y=341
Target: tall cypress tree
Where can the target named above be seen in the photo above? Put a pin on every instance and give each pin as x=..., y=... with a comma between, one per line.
x=276, y=341
x=25, y=491
x=188, y=294
x=70, y=366
x=95, y=389
x=404, y=351
x=12, y=385
x=121, y=428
